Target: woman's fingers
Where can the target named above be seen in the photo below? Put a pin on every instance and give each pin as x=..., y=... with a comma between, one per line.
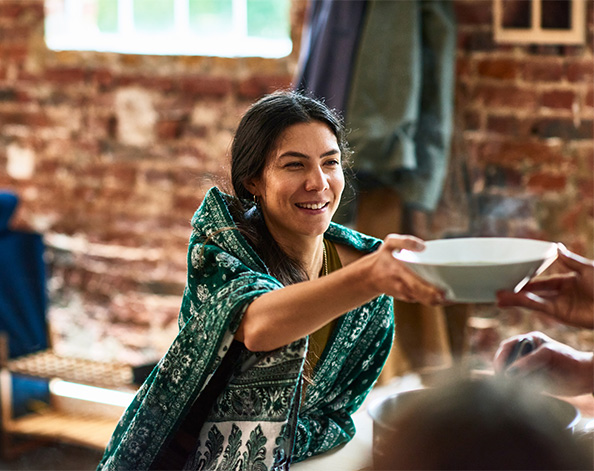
x=405, y=284
x=419, y=289
x=403, y=242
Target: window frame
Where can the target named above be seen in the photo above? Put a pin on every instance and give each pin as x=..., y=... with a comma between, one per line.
x=535, y=34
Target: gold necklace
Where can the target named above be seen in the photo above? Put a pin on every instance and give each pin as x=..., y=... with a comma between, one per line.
x=324, y=260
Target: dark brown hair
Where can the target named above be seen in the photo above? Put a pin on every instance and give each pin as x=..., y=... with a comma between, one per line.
x=255, y=139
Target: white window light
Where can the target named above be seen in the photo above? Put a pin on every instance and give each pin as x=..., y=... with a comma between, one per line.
x=90, y=393
x=226, y=28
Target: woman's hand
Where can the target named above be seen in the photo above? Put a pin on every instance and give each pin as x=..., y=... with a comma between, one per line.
x=560, y=368
x=390, y=276
x=568, y=297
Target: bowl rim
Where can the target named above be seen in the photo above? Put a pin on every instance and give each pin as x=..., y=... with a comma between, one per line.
x=373, y=407
x=552, y=248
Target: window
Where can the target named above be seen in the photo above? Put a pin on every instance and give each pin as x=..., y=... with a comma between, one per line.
x=540, y=21
x=228, y=28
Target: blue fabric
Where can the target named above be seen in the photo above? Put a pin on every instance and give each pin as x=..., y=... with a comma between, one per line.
x=23, y=299
x=8, y=203
x=328, y=49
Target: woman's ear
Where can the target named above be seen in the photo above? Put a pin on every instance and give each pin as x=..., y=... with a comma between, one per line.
x=251, y=186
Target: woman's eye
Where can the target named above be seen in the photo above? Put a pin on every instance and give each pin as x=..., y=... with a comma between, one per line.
x=333, y=162
x=294, y=164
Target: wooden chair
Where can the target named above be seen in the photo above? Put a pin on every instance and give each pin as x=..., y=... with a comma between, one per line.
x=80, y=421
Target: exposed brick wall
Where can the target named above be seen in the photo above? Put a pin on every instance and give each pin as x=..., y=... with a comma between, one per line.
x=111, y=154
x=525, y=120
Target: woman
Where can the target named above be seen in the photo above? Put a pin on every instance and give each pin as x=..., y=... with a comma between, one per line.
x=269, y=274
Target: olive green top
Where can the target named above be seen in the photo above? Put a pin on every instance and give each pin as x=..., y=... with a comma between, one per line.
x=319, y=339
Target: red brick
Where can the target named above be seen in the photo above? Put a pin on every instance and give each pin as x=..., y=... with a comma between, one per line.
x=14, y=34
x=589, y=99
x=102, y=77
x=65, y=75
x=571, y=217
x=463, y=67
x=47, y=167
x=508, y=125
x=547, y=182
x=161, y=84
x=13, y=52
x=545, y=50
x=184, y=176
x=206, y=86
x=519, y=151
x=463, y=93
x=584, y=158
x=169, y=129
x=255, y=87
x=563, y=128
x=8, y=94
x=572, y=50
x=502, y=177
x=476, y=41
x=15, y=9
x=473, y=12
x=498, y=68
x=114, y=195
x=562, y=99
x=125, y=174
x=541, y=70
x=506, y=96
x=586, y=189
x=186, y=203
x=580, y=71
x=472, y=120
x=33, y=119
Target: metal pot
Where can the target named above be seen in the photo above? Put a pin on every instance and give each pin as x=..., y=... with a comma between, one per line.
x=386, y=411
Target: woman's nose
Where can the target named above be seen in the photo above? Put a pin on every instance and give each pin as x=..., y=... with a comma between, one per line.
x=316, y=180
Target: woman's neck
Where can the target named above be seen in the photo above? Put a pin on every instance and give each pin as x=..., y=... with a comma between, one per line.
x=309, y=252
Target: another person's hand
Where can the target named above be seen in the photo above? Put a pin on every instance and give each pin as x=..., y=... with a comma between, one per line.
x=568, y=297
x=392, y=277
x=560, y=368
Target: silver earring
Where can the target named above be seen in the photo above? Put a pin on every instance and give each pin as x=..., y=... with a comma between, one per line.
x=255, y=200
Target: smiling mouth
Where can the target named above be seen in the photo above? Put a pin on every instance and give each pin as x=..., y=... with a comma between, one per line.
x=312, y=205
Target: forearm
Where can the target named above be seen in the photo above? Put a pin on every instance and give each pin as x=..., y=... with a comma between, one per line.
x=282, y=316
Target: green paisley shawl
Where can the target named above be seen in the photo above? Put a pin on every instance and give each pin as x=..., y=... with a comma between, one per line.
x=251, y=425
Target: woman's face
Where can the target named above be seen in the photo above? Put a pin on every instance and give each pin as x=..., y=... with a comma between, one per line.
x=300, y=187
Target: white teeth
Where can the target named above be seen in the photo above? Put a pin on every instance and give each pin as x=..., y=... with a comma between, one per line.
x=312, y=205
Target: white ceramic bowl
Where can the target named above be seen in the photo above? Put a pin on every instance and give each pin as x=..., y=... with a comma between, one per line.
x=473, y=269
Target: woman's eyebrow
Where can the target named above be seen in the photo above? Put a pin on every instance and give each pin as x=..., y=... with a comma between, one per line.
x=291, y=153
